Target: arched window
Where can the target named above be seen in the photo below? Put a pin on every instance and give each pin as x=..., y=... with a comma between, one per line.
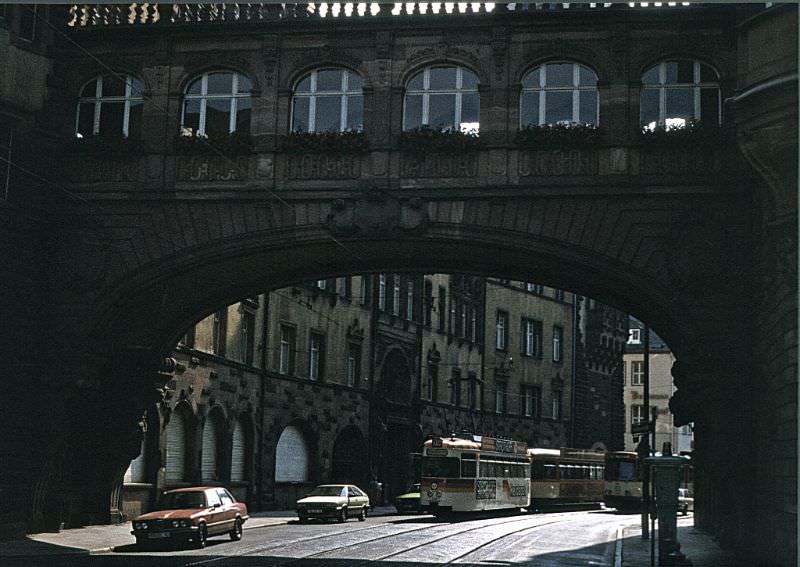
x=217, y=104
x=137, y=470
x=559, y=92
x=111, y=106
x=443, y=98
x=677, y=92
x=176, y=448
x=238, y=453
x=208, y=461
x=328, y=100
x=291, y=456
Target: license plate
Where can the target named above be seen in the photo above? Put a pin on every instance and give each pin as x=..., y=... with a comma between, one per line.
x=157, y=535
x=315, y=511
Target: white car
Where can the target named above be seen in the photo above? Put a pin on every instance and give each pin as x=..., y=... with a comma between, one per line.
x=340, y=501
x=685, y=502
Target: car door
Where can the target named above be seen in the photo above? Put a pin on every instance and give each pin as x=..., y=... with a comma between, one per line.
x=215, y=513
x=228, y=510
x=354, y=502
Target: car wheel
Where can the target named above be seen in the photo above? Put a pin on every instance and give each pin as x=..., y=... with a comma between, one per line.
x=202, y=536
x=362, y=515
x=342, y=515
x=236, y=533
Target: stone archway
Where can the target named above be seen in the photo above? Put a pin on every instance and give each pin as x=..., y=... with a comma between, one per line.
x=350, y=464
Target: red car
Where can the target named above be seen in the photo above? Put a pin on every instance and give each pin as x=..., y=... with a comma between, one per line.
x=192, y=515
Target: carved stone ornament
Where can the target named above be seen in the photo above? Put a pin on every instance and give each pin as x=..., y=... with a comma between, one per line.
x=375, y=212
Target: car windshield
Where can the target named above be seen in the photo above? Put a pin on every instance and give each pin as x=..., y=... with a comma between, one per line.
x=179, y=500
x=326, y=491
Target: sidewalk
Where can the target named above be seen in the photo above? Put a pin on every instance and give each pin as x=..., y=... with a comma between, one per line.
x=699, y=547
x=99, y=539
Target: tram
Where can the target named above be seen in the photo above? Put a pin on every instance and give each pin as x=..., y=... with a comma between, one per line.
x=623, y=481
x=562, y=476
x=471, y=473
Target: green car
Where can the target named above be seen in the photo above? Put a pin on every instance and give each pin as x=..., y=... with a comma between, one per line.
x=409, y=502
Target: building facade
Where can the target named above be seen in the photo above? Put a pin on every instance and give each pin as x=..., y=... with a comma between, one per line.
x=661, y=359
x=341, y=380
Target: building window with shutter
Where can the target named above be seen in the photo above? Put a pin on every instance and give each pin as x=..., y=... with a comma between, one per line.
x=286, y=350
x=175, y=465
x=501, y=330
x=558, y=338
x=291, y=456
x=316, y=356
x=353, y=364
x=210, y=441
x=239, y=453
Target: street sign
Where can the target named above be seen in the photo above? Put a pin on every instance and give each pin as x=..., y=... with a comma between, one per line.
x=640, y=428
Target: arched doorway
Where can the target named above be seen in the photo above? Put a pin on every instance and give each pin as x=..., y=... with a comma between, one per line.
x=349, y=462
x=292, y=467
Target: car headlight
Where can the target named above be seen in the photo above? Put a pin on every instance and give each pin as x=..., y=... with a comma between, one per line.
x=186, y=523
x=176, y=523
x=141, y=525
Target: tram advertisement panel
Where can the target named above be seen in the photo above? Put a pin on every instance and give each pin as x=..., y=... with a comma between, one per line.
x=485, y=489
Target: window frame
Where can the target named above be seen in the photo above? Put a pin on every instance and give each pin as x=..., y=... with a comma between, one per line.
x=313, y=94
x=425, y=92
x=204, y=97
x=98, y=99
x=542, y=89
x=501, y=330
x=637, y=372
x=286, y=354
x=316, y=364
x=696, y=86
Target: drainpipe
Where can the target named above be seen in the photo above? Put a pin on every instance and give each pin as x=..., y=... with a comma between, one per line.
x=574, y=369
x=262, y=397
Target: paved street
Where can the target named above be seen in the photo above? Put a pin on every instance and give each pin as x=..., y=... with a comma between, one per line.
x=554, y=539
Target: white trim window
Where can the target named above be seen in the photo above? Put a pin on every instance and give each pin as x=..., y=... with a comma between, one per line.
x=556, y=404
x=316, y=353
x=500, y=398
x=328, y=100
x=677, y=92
x=501, y=330
x=443, y=98
x=382, y=292
x=216, y=104
x=637, y=372
x=286, y=351
x=396, y=295
x=110, y=106
x=353, y=372
x=634, y=336
x=559, y=92
x=410, y=300
x=558, y=339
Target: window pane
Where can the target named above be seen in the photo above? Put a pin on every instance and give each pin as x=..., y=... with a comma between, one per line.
x=680, y=103
x=558, y=75
x=469, y=80
x=709, y=105
x=329, y=80
x=90, y=90
x=220, y=83
x=137, y=88
x=355, y=112
x=217, y=117
x=686, y=72
x=443, y=78
x=441, y=112
x=530, y=109
x=648, y=110
x=191, y=115
x=86, y=119
x=329, y=112
x=243, y=106
x=416, y=82
x=650, y=76
x=300, y=115
x=586, y=76
x=707, y=74
x=558, y=106
x=588, y=107
x=244, y=85
x=111, y=119
x=195, y=87
x=113, y=86
x=135, y=119
x=354, y=82
x=531, y=80
x=470, y=107
x=304, y=86
x=413, y=117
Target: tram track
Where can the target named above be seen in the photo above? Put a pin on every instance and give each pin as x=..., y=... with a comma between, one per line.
x=332, y=552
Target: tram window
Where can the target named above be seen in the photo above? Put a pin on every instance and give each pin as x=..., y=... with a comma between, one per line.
x=627, y=471
x=550, y=472
x=468, y=469
x=440, y=466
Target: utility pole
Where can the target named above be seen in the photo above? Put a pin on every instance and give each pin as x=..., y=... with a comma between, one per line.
x=645, y=472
